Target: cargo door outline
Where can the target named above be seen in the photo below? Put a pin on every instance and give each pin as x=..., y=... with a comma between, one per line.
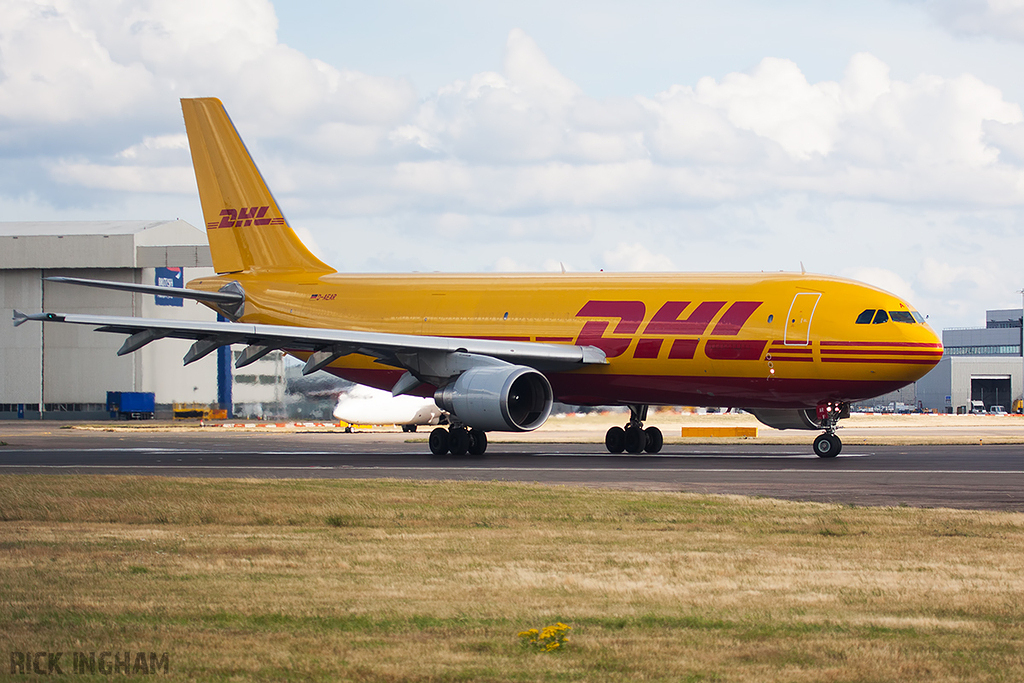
x=798, y=321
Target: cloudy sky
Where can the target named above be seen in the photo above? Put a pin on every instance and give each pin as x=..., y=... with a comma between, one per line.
x=880, y=139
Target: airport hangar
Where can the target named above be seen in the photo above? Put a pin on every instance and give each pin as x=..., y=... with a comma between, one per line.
x=67, y=369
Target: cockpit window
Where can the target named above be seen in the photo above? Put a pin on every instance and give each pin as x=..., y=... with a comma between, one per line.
x=901, y=316
x=878, y=317
x=865, y=317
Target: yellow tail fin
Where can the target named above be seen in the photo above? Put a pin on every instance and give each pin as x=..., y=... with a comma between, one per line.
x=244, y=225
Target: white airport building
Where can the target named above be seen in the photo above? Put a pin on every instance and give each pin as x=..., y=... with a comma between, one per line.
x=64, y=371
x=983, y=364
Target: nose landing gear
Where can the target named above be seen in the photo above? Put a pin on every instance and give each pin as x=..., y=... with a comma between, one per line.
x=633, y=438
x=828, y=445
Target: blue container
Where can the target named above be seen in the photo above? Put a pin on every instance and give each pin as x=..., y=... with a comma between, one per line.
x=131, y=405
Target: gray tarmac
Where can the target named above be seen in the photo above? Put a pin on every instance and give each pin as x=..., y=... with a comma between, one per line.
x=973, y=476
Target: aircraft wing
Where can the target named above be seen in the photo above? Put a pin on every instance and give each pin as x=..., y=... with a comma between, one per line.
x=425, y=358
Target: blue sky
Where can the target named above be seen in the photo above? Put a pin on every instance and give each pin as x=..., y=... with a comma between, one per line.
x=880, y=140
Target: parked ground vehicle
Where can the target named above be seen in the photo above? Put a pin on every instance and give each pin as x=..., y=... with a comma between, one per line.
x=131, y=405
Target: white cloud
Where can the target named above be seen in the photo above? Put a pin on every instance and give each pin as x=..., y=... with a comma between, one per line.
x=630, y=256
x=505, y=264
x=884, y=279
x=951, y=278
x=522, y=146
x=64, y=61
x=310, y=241
x=529, y=70
x=155, y=144
x=1002, y=19
x=962, y=289
x=55, y=69
x=125, y=178
x=776, y=102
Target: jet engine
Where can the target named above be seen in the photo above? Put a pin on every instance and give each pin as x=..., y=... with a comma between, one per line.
x=506, y=398
x=787, y=418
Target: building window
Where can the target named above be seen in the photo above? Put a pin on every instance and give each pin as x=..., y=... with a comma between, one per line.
x=1008, y=350
x=74, y=407
x=13, y=407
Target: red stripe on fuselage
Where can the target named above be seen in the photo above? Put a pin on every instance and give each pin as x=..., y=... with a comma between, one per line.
x=902, y=361
x=857, y=343
x=872, y=352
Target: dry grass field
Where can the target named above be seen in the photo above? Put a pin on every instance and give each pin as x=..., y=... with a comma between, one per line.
x=334, y=580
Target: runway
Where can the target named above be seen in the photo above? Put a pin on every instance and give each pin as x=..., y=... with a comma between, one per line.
x=961, y=476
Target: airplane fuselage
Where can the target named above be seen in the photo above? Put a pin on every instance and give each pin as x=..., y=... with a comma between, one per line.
x=778, y=340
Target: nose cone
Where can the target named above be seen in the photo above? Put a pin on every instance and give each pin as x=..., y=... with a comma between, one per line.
x=932, y=337
x=926, y=348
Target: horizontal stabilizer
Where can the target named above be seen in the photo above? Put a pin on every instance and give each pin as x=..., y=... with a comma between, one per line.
x=223, y=297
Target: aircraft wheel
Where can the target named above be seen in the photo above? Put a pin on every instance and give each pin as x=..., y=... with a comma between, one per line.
x=438, y=441
x=827, y=446
x=477, y=441
x=654, y=440
x=408, y=428
x=458, y=441
x=615, y=440
x=636, y=439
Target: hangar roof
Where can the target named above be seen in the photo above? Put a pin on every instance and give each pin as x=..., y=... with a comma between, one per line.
x=102, y=244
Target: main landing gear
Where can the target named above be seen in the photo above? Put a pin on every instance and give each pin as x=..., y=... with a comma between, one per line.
x=828, y=445
x=458, y=441
x=633, y=438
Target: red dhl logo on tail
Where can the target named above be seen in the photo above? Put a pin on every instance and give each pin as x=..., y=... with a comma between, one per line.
x=668, y=321
x=245, y=217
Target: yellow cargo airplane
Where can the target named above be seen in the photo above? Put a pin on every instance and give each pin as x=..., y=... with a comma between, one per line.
x=496, y=350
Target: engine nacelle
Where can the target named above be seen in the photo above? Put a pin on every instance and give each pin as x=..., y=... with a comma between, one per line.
x=787, y=418
x=506, y=398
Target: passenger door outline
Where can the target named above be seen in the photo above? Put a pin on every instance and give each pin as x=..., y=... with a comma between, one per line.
x=798, y=320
